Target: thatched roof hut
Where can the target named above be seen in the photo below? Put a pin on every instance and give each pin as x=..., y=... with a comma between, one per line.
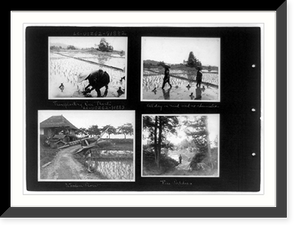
x=54, y=124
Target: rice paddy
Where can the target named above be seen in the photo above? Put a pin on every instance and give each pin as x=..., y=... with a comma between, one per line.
x=183, y=85
x=64, y=70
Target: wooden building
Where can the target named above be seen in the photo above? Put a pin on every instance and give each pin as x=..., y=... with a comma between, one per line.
x=57, y=126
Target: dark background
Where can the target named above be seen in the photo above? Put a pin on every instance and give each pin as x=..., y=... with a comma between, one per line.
x=239, y=125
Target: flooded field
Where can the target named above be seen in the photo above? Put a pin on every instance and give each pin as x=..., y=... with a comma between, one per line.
x=183, y=85
x=113, y=169
x=65, y=67
x=112, y=164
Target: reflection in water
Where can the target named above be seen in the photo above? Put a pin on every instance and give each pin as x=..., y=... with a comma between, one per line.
x=183, y=89
x=166, y=93
x=198, y=93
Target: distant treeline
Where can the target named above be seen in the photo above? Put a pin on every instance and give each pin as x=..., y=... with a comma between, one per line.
x=88, y=49
x=181, y=66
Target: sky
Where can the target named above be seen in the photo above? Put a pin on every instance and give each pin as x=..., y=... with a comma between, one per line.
x=119, y=43
x=174, y=50
x=213, y=123
x=85, y=119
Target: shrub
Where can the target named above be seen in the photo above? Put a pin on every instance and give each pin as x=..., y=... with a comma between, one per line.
x=167, y=164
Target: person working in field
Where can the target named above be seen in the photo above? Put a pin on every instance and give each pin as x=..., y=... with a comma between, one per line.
x=199, y=76
x=167, y=76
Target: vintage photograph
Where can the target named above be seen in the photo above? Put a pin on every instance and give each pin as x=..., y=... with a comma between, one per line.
x=180, y=69
x=180, y=145
x=93, y=67
x=86, y=145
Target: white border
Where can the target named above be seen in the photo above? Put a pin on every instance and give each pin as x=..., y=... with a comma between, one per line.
x=90, y=98
x=186, y=176
x=161, y=18
x=101, y=113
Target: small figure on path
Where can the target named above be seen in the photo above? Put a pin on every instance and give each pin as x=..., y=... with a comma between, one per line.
x=180, y=159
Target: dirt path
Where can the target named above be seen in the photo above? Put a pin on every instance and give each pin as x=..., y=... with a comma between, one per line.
x=186, y=159
x=65, y=166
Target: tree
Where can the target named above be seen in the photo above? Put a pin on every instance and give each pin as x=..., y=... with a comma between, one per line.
x=94, y=130
x=122, y=53
x=193, y=61
x=104, y=46
x=209, y=68
x=158, y=128
x=109, y=129
x=126, y=129
x=197, y=129
x=71, y=47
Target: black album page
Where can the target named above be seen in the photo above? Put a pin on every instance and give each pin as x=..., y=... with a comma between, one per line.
x=143, y=109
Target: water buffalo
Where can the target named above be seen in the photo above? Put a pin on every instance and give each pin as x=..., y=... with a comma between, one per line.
x=97, y=80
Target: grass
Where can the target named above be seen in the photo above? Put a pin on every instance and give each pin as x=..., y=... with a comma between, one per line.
x=47, y=154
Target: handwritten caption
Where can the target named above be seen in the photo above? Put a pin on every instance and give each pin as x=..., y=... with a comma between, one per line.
x=82, y=185
x=180, y=106
x=87, y=105
x=99, y=33
x=175, y=182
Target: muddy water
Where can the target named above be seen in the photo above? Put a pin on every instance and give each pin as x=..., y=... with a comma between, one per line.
x=183, y=88
x=64, y=70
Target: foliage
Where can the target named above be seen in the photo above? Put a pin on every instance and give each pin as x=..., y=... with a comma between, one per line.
x=149, y=163
x=104, y=46
x=109, y=130
x=193, y=61
x=126, y=129
x=71, y=47
x=206, y=157
x=94, y=130
x=55, y=48
x=158, y=128
x=167, y=163
x=122, y=53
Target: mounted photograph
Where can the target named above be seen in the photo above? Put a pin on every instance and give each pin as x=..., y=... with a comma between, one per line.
x=86, y=145
x=87, y=67
x=180, y=69
x=180, y=145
